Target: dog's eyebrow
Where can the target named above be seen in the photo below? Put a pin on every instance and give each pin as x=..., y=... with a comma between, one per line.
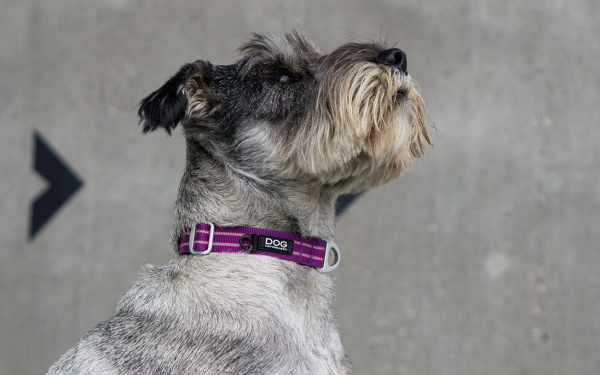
x=292, y=50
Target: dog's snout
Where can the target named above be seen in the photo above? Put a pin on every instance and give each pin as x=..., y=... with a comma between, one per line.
x=393, y=57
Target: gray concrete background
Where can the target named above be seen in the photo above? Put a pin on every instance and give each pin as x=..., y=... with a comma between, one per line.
x=483, y=259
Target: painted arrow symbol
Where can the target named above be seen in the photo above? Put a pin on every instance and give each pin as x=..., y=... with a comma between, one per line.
x=344, y=202
x=63, y=183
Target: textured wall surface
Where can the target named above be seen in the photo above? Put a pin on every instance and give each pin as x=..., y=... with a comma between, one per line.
x=483, y=259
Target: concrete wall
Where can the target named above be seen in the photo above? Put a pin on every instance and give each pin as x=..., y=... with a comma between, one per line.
x=484, y=259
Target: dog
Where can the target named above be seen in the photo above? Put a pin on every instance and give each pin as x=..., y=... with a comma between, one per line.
x=272, y=141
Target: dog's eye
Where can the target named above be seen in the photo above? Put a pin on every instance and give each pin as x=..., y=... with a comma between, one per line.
x=285, y=78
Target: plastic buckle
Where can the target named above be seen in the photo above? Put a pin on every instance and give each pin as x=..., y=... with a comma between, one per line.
x=211, y=236
x=249, y=242
x=331, y=247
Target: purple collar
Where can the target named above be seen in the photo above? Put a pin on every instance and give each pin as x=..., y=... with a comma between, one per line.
x=310, y=251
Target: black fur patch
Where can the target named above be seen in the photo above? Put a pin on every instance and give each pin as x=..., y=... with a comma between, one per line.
x=165, y=107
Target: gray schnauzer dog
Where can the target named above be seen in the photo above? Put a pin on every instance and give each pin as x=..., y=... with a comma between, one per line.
x=272, y=141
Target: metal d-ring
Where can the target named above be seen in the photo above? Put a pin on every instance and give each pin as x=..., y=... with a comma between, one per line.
x=330, y=248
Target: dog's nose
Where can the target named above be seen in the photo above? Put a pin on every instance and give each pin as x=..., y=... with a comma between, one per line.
x=393, y=57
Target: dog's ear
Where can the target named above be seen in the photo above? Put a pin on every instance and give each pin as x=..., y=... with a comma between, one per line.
x=167, y=106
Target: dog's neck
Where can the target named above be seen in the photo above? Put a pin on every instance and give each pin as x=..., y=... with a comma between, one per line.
x=212, y=191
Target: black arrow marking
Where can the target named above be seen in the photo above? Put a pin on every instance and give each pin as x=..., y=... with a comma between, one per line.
x=62, y=180
x=344, y=202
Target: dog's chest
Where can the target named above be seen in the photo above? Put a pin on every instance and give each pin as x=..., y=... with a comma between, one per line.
x=204, y=309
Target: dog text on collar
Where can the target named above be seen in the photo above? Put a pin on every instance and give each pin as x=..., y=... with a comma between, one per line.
x=279, y=245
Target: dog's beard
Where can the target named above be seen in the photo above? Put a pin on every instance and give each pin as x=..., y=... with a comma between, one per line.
x=368, y=120
x=416, y=116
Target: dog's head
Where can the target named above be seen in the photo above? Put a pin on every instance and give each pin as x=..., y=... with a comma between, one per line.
x=352, y=118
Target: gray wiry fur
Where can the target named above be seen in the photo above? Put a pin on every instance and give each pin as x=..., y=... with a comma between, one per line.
x=272, y=141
